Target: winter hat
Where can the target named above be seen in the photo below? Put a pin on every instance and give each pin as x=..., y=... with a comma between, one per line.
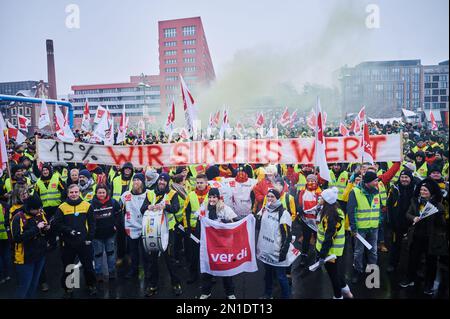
x=408, y=173
x=180, y=170
x=432, y=187
x=330, y=195
x=151, y=175
x=312, y=177
x=33, y=202
x=212, y=172
x=410, y=166
x=434, y=168
x=140, y=177
x=275, y=193
x=127, y=165
x=214, y=192
x=369, y=176
x=164, y=176
x=86, y=173
x=15, y=168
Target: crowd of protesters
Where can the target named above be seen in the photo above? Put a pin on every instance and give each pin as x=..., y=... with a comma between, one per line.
x=88, y=211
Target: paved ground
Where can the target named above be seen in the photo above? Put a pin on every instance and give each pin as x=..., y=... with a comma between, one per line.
x=305, y=285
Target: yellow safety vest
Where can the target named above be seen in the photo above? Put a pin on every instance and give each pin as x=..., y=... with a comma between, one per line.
x=8, y=185
x=195, y=206
x=340, y=183
x=117, y=187
x=367, y=214
x=301, y=183
x=50, y=196
x=338, y=238
x=415, y=149
x=3, y=234
x=423, y=170
x=383, y=193
x=151, y=196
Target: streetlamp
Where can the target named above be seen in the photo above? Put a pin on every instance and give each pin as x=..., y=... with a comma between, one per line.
x=143, y=85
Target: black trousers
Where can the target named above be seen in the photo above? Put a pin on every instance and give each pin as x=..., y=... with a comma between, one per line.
x=136, y=249
x=121, y=243
x=85, y=253
x=336, y=273
x=178, y=243
x=307, y=234
x=207, y=284
x=396, y=247
x=419, y=246
x=51, y=234
x=168, y=259
x=193, y=253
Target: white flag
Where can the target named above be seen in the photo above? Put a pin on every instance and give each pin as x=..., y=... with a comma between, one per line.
x=102, y=127
x=110, y=133
x=59, y=119
x=190, y=111
x=122, y=127
x=15, y=133
x=44, y=117
x=3, y=151
x=99, y=114
x=86, y=122
x=225, y=125
x=320, y=155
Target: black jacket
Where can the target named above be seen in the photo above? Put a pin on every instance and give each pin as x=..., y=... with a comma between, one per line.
x=398, y=202
x=78, y=216
x=107, y=217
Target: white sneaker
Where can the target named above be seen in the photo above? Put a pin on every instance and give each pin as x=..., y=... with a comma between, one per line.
x=346, y=292
x=231, y=297
x=205, y=296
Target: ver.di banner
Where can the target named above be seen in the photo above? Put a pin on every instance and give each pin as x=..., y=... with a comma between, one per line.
x=283, y=151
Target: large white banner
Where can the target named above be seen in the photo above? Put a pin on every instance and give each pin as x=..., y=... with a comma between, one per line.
x=284, y=151
x=227, y=249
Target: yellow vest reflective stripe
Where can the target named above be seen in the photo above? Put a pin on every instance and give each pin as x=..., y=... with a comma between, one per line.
x=3, y=234
x=195, y=206
x=111, y=174
x=179, y=213
x=423, y=170
x=340, y=183
x=50, y=196
x=367, y=214
x=445, y=169
x=301, y=183
x=338, y=238
x=117, y=187
x=81, y=208
x=89, y=196
x=383, y=193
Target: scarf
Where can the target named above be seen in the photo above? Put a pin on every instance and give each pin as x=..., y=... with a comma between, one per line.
x=272, y=207
x=180, y=190
x=202, y=194
x=86, y=186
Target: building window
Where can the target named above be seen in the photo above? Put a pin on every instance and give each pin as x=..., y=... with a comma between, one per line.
x=170, y=43
x=170, y=70
x=27, y=111
x=20, y=111
x=171, y=78
x=189, y=30
x=428, y=85
x=189, y=60
x=170, y=33
x=171, y=87
x=434, y=85
x=189, y=51
x=189, y=42
x=435, y=78
x=14, y=121
x=443, y=92
x=443, y=85
x=444, y=98
x=427, y=78
x=13, y=111
x=170, y=52
x=170, y=61
x=427, y=92
x=435, y=92
x=427, y=106
x=190, y=69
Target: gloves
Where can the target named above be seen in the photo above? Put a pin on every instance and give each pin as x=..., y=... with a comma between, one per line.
x=87, y=242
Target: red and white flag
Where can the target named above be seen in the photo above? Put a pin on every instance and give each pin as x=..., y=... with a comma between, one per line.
x=44, y=117
x=356, y=126
x=312, y=120
x=216, y=119
x=271, y=130
x=285, y=118
x=320, y=145
x=225, y=124
x=362, y=114
x=227, y=249
x=170, y=120
x=123, y=125
x=15, y=133
x=184, y=134
x=190, y=111
x=434, y=126
x=259, y=120
x=366, y=147
x=99, y=114
x=102, y=129
x=23, y=122
x=59, y=119
x=293, y=119
x=3, y=151
x=62, y=127
x=86, y=122
x=343, y=130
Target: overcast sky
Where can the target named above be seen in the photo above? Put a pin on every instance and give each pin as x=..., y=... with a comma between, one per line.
x=118, y=38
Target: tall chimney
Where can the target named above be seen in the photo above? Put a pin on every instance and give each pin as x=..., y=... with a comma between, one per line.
x=51, y=70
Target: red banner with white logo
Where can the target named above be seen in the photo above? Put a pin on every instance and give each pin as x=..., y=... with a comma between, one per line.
x=227, y=249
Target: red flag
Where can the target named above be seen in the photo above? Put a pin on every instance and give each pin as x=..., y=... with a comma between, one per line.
x=343, y=130
x=293, y=119
x=259, y=120
x=366, y=146
x=362, y=114
x=356, y=126
x=23, y=122
x=15, y=133
x=285, y=118
x=320, y=147
x=217, y=118
x=171, y=115
x=434, y=126
x=85, y=123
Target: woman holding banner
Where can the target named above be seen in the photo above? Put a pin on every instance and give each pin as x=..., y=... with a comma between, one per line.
x=331, y=241
x=217, y=210
x=428, y=234
x=273, y=243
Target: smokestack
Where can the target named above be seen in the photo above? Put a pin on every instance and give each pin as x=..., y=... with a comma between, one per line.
x=51, y=70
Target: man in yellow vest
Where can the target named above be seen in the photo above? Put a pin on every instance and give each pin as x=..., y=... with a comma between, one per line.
x=17, y=172
x=87, y=185
x=364, y=210
x=51, y=190
x=194, y=200
x=421, y=165
x=339, y=179
x=162, y=194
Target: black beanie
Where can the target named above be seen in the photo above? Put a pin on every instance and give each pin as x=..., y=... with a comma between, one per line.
x=140, y=177
x=33, y=202
x=408, y=173
x=275, y=193
x=164, y=176
x=214, y=192
x=369, y=176
x=212, y=172
x=180, y=170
